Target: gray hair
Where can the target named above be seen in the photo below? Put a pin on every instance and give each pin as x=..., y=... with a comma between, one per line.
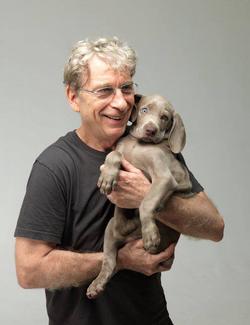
x=113, y=51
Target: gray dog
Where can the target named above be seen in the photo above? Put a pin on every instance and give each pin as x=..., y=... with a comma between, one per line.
x=157, y=134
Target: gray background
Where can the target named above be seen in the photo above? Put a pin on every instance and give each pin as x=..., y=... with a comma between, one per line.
x=194, y=52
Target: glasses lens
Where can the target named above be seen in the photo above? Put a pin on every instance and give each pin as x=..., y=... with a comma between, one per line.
x=128, y=88
x=104, y=92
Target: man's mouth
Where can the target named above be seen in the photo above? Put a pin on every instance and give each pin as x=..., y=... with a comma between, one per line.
x=116, y=118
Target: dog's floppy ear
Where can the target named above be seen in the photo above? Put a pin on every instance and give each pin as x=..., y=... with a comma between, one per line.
x=134, y=112
x=177, y=134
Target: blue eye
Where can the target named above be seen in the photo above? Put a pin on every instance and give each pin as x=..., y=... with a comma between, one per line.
x=144, y=109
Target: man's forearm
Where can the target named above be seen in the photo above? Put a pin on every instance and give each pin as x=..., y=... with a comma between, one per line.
x=194, y=216
x=56, y=268
x=66, y=268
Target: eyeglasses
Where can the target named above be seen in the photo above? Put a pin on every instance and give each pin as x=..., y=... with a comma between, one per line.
x=127, y=89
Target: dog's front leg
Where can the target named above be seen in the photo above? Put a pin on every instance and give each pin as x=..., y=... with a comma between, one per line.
x=154, y=201
x=109, y=172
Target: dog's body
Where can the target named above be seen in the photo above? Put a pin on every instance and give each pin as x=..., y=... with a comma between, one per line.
x=154, y=139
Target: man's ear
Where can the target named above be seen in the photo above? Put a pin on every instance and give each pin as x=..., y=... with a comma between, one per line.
x=72, y=97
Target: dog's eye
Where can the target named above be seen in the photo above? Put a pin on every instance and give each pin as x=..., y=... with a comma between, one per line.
x=164, y=117
x=144, y=109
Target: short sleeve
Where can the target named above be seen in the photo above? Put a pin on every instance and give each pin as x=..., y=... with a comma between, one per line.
x=43, y=211
x=196, y=186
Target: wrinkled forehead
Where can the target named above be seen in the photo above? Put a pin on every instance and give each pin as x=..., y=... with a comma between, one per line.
x=156, y=102
x=100, y=74
x=101, y=69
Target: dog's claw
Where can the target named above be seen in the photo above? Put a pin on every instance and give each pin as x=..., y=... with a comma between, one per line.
x=94, y=290
x=107, y=181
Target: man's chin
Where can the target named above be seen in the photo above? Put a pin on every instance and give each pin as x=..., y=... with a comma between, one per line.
x=116, y=133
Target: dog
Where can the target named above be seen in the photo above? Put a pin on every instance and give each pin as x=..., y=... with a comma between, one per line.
x=157, y=134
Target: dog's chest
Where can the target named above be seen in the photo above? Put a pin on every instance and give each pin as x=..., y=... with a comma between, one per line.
x=143, y=155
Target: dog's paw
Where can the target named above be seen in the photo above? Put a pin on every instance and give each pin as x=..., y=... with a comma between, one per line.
x=151, y=238
x=94, y=290
x=108, y=180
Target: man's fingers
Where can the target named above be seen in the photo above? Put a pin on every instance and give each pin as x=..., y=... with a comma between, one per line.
x=135, y=243
x=139, y=243
x=163, y=256
x=129, y=167
x=127, y=176
x=165, y=266
x=165, y=259
x=123, y=176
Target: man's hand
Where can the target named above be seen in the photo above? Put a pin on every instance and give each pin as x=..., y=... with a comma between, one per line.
x=132, y=256
x=132, y=185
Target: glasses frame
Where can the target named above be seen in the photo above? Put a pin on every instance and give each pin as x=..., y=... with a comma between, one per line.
x=97, y=93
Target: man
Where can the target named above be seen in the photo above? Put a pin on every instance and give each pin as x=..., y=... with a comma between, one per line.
x=59, y=234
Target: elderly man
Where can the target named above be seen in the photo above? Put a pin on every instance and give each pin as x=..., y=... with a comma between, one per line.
x=59, y=234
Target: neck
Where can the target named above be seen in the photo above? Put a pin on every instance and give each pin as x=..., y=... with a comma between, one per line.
x=99, y=145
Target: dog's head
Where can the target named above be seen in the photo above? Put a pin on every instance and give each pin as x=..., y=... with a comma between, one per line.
x=154, y=120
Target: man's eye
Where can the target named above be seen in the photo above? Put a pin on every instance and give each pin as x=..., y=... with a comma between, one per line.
x=107, y=91
x=127, y=88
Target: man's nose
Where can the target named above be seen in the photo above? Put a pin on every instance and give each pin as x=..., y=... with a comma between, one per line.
x=118, y=100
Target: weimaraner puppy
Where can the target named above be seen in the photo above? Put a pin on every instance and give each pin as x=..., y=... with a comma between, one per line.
x=156, y=135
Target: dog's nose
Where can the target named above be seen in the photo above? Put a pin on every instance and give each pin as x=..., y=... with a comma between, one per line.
x=150, y=131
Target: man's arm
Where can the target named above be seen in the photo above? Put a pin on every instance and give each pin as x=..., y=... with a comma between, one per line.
x=42, y=265
x=195, y=216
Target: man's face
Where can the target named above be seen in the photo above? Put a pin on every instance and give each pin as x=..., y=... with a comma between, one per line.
x=103, y=120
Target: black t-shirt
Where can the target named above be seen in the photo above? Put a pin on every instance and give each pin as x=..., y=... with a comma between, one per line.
x=63, y=205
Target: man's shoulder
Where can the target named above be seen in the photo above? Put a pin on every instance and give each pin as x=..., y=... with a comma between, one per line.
x=59, y=154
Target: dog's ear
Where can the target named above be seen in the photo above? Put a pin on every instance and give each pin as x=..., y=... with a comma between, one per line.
x=177, y=134
x=134, y=112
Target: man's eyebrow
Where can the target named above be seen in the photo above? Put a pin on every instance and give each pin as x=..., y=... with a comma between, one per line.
x=103, y=85
x=109, y=85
